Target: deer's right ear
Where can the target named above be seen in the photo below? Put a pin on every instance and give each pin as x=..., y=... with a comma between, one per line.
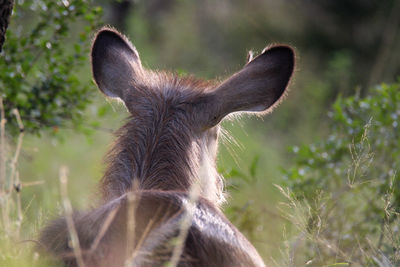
x=115, y=63
x=258, y=87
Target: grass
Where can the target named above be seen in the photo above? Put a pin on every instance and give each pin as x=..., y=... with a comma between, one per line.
x=322, y=225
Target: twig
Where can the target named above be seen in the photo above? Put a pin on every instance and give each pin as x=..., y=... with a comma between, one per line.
x=31, y=183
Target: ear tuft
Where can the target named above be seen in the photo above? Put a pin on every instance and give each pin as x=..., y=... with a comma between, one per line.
x=114, y=60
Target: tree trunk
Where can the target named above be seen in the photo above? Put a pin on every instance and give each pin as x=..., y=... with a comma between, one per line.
x=6, y=7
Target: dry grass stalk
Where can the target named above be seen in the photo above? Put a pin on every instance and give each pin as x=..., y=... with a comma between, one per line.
x=107, y=222
x=10, y=182
x=13, y=171
x=68, y=216
x=190, y=207
x=142, y=238
x=103, y=230
x=2, y=148
x=19, y=208
x=131, y=208
x=2, y=163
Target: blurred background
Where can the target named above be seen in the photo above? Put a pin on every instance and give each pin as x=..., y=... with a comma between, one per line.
x=344, y=48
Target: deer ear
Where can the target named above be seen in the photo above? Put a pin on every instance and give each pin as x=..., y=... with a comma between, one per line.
x=258, y=87
x=115, y=63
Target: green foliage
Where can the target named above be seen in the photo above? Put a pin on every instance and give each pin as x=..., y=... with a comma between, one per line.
x=38, y=70
x=349, y=182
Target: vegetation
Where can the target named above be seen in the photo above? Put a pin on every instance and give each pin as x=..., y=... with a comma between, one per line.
x=349, y=183
x=39, y=73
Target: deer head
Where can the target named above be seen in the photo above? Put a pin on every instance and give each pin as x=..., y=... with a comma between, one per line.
x=175, y=120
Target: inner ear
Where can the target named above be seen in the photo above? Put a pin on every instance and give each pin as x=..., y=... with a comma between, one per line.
x=115, y=63
x=258, y=87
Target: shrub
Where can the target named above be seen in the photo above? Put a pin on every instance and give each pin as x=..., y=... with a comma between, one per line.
x=343, y=190
x=39, y=69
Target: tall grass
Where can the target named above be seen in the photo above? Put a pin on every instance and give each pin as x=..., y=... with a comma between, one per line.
x=13, y=247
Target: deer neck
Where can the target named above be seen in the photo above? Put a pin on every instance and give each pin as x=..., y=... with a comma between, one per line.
x=155, y=155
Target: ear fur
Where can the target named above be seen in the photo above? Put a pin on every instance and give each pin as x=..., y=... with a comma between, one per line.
x=115, y=62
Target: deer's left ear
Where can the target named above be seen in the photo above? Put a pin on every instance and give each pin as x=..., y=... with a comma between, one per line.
x=116, y=64
x=257, y=87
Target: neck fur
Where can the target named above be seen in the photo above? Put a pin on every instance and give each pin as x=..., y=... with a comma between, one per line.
x=155, y=155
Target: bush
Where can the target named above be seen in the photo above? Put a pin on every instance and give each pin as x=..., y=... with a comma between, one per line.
x=347, y=184
x=38, y=69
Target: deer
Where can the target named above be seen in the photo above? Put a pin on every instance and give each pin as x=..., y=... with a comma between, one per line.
x=161, y=194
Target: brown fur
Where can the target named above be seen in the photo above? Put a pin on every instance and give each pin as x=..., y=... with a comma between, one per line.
x=167, y=147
